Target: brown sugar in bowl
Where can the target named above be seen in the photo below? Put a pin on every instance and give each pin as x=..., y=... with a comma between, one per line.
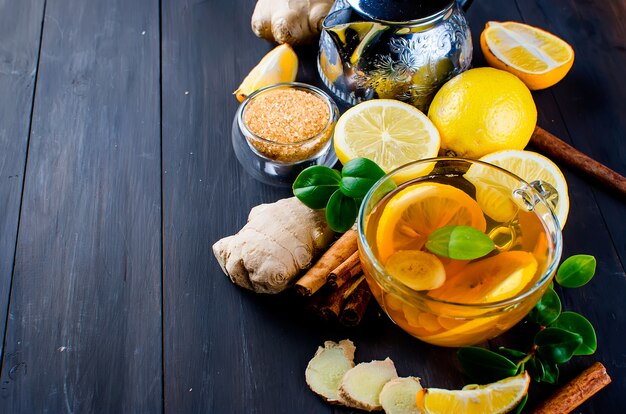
x=288, y=123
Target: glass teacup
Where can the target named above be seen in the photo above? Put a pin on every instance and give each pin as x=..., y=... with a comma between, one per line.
x=479, y=298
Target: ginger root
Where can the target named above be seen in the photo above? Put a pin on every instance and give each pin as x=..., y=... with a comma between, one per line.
x=398, y=396
x=289, y=21
x=278, y=242
x=324, y=372
x=361, y=386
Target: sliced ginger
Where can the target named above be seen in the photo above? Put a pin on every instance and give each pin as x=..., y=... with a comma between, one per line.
x=398, y=396
x=361, y=386
x=327, y=368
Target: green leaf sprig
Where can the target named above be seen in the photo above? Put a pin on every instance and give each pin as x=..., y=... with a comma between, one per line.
x=339, y=193
x=561, y=335
x=459, y=242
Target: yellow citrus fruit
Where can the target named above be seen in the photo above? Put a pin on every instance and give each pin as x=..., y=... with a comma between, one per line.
x=417, y=269
x=390, y=133
x=279, y=65
x=494, y=190
x=495, y=398
x=481, y=111
x=489, y=280
x=538, y=58
x=418, y=210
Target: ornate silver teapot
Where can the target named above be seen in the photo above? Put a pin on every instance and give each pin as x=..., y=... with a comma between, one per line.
x=399, y=49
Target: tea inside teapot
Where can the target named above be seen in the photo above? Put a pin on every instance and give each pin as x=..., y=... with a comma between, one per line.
x=368, y=50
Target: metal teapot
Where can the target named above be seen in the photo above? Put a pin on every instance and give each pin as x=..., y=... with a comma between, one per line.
x=398, y=49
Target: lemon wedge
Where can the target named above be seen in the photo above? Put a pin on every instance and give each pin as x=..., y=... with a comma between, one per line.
x=277, y=66
x=388, y=132
x=495, y=398
x=540, y=59
x=494, y=189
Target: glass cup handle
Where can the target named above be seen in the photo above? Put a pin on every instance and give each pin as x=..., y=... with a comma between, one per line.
x=528, y=200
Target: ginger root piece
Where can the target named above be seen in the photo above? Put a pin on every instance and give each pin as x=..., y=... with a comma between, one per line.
x=289, y=21
x=361, y=386
x=279, y=240
x=398, y=396
x=324, y=372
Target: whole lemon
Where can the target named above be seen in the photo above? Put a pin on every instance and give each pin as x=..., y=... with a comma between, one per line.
x=481, y=111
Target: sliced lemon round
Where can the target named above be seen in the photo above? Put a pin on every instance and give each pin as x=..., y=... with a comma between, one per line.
x=540, y=59
x=418, y=210
x=278, y=65
x=489, y=280
x=417, y=269
x=494, y=189
x=495, y=398
x=388, y=132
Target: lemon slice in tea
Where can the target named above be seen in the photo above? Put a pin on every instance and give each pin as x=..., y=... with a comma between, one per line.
x=418, y=210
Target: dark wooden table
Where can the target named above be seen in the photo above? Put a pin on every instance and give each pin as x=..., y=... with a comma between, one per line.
x=117, y=175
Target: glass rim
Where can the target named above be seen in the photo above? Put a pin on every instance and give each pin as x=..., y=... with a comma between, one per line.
x=404, y=290
x=333, y=113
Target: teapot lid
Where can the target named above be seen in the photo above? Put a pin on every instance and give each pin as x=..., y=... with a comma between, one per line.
x=398, y=11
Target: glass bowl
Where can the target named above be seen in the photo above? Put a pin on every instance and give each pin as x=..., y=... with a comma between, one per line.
x=534, y=230
x=278, y=163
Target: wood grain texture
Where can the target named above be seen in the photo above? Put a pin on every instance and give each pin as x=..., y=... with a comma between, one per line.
x=84, y=333
x=20, y=34
x=587, y=230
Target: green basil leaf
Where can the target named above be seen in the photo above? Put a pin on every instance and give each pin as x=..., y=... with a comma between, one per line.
x=341, y=212
x=512, y=354
x=358, y=176
x=521, y=405
x=485, y=366
x=576, y=323
x=315, y=185
x=535, y=369
x=459, y=242
x=556, y=345
x=576, y=271
x=550, y=373
x=547, y=309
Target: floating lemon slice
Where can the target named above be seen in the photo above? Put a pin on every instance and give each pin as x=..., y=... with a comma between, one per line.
x=418, y=210
x=489, y=280
x=495, y=398
x=390, y=133
x=494, y=189
x=277, y=66
x=417, y=269
x=538, y=58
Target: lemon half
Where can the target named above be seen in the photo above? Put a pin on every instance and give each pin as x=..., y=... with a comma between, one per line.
x=388, y=132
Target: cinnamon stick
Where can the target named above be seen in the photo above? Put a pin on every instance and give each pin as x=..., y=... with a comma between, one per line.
x=559, y=150
x=577, y=391
x=336, y=254
x=345, y=271
x=356, y=305
x=331, y=308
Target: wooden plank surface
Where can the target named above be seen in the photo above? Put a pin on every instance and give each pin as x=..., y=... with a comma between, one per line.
x=84, y=332
x=119, y=213
x=225, y=350
x=587, y=230
x=20, y=34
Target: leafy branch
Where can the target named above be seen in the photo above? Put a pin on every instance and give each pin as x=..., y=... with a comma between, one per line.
x=561, y=335
x=339, y=193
